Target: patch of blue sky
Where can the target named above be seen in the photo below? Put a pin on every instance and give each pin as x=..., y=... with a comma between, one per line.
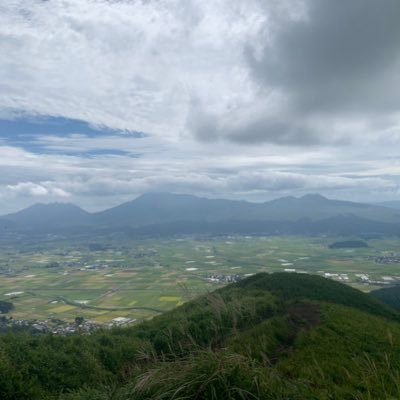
x=55, y=126
x=104, y=152
x=24, y=132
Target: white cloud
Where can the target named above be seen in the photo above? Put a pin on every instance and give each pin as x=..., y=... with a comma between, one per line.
x=28, y=189
x=129, y=64
x=37, y=189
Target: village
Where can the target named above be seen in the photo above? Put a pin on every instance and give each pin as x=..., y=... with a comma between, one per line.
x=57, y=326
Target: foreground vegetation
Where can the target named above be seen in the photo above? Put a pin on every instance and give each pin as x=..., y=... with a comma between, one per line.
x=279, y=336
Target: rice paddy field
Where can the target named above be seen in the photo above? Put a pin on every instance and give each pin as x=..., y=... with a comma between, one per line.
x=139, y=278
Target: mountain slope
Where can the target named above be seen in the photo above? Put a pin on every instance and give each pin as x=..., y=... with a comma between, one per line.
x=53, y=215
x=317, y=207
x=389, y=295
x=279, y=336
x=158, y=208
x=391, y=204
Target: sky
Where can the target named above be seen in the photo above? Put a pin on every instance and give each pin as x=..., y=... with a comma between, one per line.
x=102, y=100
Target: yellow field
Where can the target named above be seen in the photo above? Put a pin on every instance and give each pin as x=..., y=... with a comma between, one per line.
x=61, y=309
x=170, y=298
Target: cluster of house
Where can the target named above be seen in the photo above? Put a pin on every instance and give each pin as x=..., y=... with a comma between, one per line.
x=57, y=326
x=339, y=277
x=221, y=278
x=52, y=325
x=392, y=258
x=384, y=280
x=364, y=278
x=121, y=321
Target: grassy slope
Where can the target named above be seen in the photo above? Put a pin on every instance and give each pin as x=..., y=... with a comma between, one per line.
x=279, y=336
x=312, y=287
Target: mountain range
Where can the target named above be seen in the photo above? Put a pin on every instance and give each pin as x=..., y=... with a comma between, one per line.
x=168, y=213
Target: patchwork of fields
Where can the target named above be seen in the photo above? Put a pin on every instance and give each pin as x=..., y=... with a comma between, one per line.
x=138, y=279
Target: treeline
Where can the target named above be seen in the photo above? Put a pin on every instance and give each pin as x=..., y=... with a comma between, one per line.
x=5, y=307
x=348, y=244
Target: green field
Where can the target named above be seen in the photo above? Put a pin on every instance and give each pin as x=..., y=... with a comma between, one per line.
x=138, y=279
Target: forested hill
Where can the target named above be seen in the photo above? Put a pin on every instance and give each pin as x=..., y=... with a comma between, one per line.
x=279, y=336
x=388, y=295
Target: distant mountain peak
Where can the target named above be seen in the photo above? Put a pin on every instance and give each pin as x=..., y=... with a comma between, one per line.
x=314, y=197
x=280, y=199
x=50, y=207
x=310, y=197
x=49, y=215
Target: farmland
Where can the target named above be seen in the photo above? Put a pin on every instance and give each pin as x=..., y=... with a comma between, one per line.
x=138, y=279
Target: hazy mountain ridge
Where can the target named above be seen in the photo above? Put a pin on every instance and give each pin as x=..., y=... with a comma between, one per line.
x=152, y=213
x=391, y=204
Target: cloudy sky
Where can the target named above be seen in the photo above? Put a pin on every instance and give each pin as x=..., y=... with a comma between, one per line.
x=101, y=100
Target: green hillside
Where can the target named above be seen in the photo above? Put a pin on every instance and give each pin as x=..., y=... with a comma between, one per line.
x=389, y=295
x=278, y=336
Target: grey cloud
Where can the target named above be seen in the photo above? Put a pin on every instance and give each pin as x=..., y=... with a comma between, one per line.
x=343, y=54
x=202, y=124
x=267, y=181
x=273, y=130
x=300, y=182
x=257, y=125
x=330, y=74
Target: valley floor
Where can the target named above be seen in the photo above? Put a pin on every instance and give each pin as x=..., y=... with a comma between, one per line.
x=114, y=282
